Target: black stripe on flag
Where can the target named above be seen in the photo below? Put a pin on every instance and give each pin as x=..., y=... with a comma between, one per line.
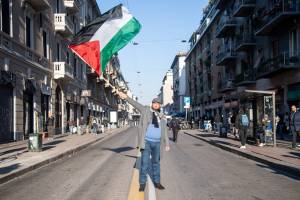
x=85, y=34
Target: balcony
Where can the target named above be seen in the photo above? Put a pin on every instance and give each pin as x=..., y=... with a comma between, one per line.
x=220, y=4
x=72, y=6
x=226, y=56
x=245, y=78
x=226, y=27
x=226, y=85
x=38, y=5
x=245, y=42
x=277, y=65
x=278, y=16
x=62, y=70
x=12, y=46
x=63, y=24
x=244, y=8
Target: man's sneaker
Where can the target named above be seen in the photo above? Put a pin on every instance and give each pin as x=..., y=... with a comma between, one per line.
x=243, y=147
x=261, y=145
x=159, y=186
x=142, y=187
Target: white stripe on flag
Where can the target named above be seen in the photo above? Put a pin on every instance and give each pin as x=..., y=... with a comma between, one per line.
x=110, y=28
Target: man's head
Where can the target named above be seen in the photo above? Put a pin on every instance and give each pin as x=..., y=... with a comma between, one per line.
x=156, y=104
x=293, y=108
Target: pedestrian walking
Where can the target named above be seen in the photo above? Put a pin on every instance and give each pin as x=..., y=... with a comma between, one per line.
x=175, y=127
x=243, y=125
x=94, y=125
x=234, y=129
x=294, y=124
x=152, y=137
x=50, y=125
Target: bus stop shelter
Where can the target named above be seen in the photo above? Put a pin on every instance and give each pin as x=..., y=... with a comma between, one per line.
x=269, y=93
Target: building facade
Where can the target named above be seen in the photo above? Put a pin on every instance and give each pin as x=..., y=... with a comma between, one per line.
x=166, y=93
x=39, y=75
x=179, y=82
x=244, y=45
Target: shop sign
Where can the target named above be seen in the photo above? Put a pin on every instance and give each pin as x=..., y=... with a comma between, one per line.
x=46, y=89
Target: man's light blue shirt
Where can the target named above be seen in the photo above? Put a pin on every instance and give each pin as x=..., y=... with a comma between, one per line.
x=153, y=134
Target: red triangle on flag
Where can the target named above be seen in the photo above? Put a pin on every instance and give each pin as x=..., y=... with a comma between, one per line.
x=89, y=52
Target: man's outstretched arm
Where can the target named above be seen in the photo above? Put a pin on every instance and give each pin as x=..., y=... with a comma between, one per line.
x=134, y=103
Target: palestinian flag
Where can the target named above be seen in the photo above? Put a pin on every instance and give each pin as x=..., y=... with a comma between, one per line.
x=97, y=42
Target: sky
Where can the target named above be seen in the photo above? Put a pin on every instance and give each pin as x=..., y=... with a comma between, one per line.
x=165, y=23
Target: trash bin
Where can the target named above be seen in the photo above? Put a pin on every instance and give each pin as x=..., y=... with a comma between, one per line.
x=35, y=142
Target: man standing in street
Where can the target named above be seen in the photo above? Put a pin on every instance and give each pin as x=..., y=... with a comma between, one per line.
x=175, y=126
x=152, y=138
x=243, y=125
x=294, y=124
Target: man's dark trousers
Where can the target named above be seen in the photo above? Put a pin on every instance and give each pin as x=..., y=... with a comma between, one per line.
x=175, y=134
x=243, y=135
x=151, y=149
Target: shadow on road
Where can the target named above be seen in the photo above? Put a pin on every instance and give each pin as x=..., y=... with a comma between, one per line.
x=119, y=150
x=207, y=135
x=225, y=143
x=51, y=145
x=293, y=155
x=13, y=150
x=8, y=169
x=277, y=170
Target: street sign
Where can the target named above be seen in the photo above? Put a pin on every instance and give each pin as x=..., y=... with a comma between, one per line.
x=187, y=102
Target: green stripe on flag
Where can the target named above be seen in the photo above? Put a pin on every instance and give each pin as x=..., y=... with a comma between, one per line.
x=121, y=39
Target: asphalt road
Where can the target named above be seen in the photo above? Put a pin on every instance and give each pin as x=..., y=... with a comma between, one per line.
x=102, y=171
x=192, y=170
x=195, y=170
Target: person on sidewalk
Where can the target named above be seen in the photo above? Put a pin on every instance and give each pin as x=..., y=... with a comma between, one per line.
x=295, y=124
x=50, y=125
x=175, y=126
x=94, y=125
x=152, y=138
x=243, y=125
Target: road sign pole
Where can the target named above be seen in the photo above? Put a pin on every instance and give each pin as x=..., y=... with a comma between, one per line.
x=186, y=112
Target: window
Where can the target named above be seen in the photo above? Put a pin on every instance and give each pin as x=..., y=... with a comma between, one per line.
x=75, y=67
x=45, y=45
x=57, y=6
x=28, y=32
x=293, y=42
x=5, y=18
x=57, y=52
x=68, y=58
x=81, y=71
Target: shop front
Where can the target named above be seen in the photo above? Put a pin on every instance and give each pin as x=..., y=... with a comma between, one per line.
x=58, y=110
x=28, y=107
x=45, y=97
x=7, y=83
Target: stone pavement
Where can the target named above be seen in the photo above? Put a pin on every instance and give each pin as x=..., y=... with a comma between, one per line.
x=15, y=160
x=286, y=159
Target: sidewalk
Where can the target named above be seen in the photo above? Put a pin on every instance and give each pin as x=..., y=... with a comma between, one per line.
x=282, y=158
x=15, y=160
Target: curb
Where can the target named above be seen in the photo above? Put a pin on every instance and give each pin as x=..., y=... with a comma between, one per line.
x=73, y=151
x=284, y=168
